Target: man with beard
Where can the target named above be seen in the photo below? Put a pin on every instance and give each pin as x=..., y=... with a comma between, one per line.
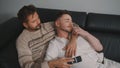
x=33, y=41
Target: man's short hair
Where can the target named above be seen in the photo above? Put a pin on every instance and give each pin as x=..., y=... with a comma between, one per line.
x=25, y=11
x=62, y=12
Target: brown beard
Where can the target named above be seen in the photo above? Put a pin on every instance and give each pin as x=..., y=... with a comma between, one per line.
x=38, y=27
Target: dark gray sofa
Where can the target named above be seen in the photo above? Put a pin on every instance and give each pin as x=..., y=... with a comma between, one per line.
x=105, y=27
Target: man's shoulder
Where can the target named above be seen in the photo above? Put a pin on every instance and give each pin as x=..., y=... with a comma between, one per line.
x=49, y=24
x=53, y=40
x=54, y=43
x=23, y=35
x=56, y=40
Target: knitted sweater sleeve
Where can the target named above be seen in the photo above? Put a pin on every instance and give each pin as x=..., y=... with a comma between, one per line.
x=25, y=55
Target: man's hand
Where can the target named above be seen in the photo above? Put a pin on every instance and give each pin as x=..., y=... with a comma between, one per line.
x=71, y=46
x=80, y=31
x=60, y=63
x=70, y=49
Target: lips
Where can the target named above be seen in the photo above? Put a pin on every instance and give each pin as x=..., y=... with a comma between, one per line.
x=37, y=27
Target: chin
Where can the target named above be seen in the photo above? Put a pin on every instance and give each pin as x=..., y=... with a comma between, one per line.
x=69, y=31
x=37, y=27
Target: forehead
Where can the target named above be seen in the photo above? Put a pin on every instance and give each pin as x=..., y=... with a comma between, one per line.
x=32, y=16
x=66, y=16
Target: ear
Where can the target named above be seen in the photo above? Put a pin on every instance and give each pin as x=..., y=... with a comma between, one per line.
x=57, y=23
x=25, y=25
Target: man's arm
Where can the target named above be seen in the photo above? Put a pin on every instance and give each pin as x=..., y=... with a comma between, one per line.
x=71, y=46
x=95, y=43
x=25, y=56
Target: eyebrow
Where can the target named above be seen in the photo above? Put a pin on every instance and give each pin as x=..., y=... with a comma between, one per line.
x=68, y=19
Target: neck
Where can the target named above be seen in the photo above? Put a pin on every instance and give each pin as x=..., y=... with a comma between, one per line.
x=62, y=34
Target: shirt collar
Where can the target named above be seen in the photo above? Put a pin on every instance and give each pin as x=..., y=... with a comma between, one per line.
x=62, y=40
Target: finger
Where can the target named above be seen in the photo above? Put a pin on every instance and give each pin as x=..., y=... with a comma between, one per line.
x=74, y=32
x=66, y=53
x=77, y=30
x=74, y=52
x=70, y=52
x=63, y=66
x=65, y=48
x=67, y=65
x=69, y=60
x=63, y=62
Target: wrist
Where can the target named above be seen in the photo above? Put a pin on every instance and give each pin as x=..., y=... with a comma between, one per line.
x=51, y=64
x=73, y=39
x=86, y=34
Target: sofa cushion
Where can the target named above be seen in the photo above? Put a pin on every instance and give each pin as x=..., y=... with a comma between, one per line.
x=106, y=28
x=103, y=22
x=111, y=44
x=9, y=56
x=8, y=31
x=50, y=15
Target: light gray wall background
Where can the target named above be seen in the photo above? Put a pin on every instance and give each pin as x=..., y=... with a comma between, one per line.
x=9, y=8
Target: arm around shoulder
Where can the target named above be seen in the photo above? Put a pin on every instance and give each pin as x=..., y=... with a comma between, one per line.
x=95, y=43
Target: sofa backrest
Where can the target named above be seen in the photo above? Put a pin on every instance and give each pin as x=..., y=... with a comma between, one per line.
x=50, y=15
x=103, y=22
x=9, y=32
x=106, y=28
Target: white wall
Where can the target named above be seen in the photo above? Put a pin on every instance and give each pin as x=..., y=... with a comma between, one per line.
x=9, y=8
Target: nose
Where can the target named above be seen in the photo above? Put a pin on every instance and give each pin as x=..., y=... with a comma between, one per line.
x=38, y=22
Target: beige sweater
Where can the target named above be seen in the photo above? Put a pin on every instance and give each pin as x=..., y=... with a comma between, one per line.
x=31, y=46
